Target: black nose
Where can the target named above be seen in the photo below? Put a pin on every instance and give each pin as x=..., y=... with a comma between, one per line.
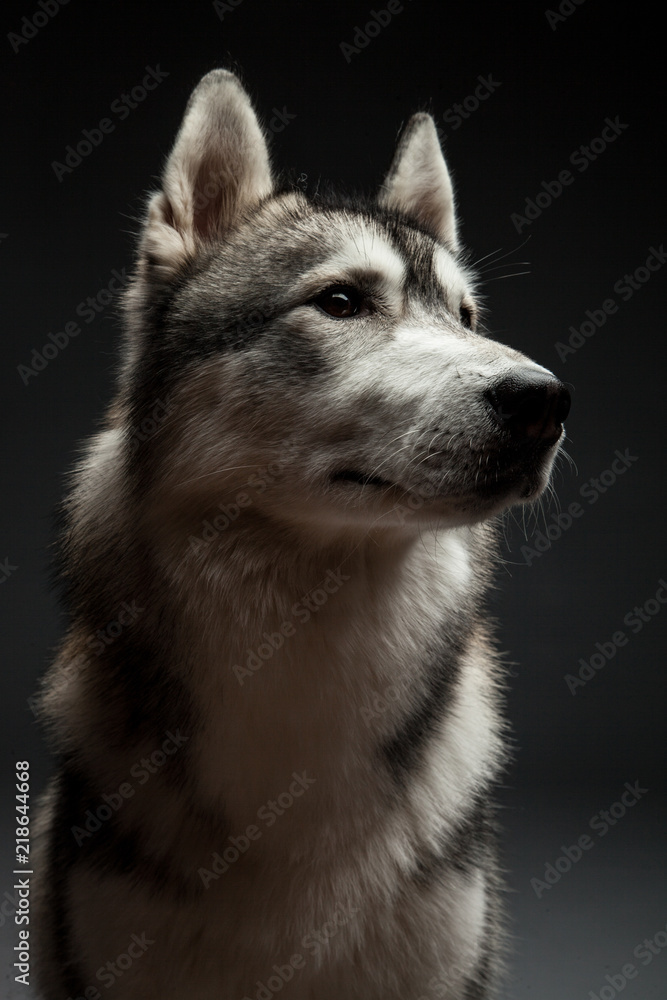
x=530, y=406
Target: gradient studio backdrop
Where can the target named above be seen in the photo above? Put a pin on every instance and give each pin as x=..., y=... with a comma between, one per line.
x=552, y=124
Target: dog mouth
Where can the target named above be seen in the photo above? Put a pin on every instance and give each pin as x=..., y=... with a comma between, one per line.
x=356, y=478
x=523, y=476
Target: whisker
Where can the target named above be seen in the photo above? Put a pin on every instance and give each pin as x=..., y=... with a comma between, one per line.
x=499, y=277
x=216, y=472
x=507, y=254
x=498, y=267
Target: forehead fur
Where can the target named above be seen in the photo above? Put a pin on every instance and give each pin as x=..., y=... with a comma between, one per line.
x=289, y=236
x=239, y=288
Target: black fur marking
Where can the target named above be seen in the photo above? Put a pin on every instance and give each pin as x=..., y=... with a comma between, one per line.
x=465, y=850
x=201, y=326
x=287, y=354
x=415, y=244
x=417, y=250
x=112, y=850
x=155, y=704
x=404, y=750
x=359, y=479
x=208, y=315
x=144, y=700
x=62, y=856
x=477, y=986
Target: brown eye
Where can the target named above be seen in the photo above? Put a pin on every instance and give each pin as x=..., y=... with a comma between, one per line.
x=340, y=301
x=465, y=315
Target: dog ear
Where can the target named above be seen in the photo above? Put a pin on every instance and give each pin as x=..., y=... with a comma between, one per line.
x=418, y=183
x=217, y=169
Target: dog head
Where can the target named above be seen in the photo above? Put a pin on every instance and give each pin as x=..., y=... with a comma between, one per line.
x=334, y=345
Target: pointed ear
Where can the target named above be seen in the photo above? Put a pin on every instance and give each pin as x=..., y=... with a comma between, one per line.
x=418, y=182
x=218, y=168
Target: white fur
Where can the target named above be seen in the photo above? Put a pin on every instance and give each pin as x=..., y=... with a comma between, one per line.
x=363, y=253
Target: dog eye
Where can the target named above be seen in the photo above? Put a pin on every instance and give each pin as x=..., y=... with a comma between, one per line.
x=465, y=315
x=340, y=301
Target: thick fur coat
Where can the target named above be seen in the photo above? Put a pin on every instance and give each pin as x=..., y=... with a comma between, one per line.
x=277, y=707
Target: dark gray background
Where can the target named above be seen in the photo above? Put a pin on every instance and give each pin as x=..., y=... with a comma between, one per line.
x=61, y=240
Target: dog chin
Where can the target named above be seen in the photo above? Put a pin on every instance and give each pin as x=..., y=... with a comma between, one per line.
x=489, y=500
x=393, y=503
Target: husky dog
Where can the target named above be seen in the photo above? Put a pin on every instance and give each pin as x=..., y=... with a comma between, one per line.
x=277, y=708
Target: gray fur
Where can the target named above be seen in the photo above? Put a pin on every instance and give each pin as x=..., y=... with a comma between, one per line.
x=304, y=532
